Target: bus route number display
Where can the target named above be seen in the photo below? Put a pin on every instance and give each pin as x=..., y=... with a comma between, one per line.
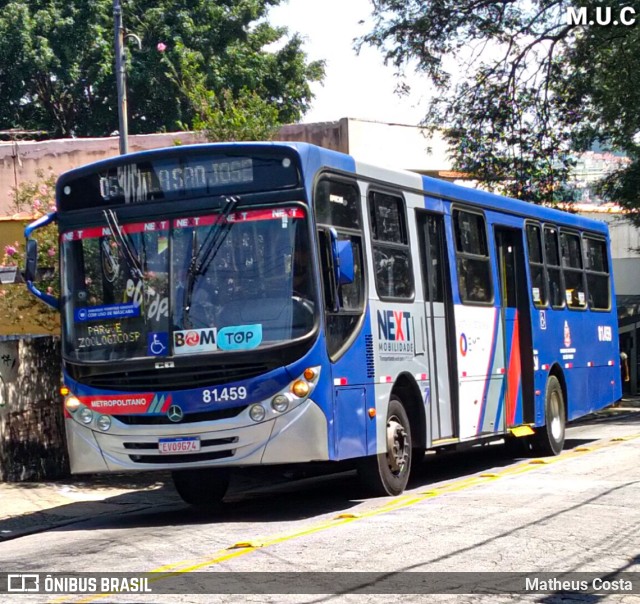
x=141, y=182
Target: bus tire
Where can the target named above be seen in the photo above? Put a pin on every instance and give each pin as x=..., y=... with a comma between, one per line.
x=549, y=439
x=203, y=487
x=388, y=473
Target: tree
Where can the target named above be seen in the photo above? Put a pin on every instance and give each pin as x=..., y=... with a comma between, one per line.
x=520, y=85
x=57, y=65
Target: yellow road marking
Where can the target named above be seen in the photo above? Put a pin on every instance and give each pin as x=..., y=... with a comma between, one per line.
x=242, y=548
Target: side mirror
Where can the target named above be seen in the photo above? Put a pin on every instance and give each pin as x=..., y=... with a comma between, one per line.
x=343, y=263
x=31, y=266
x=346, y=263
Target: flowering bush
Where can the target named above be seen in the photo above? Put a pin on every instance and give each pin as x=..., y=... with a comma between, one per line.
x=18, y=307
x=11, y=254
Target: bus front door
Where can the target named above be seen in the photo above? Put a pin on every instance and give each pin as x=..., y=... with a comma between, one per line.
x=516, y=328
x=439, y=325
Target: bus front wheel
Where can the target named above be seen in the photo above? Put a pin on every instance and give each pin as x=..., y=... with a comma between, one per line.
x=549, y=439
x=388, y=473
x=203, y=487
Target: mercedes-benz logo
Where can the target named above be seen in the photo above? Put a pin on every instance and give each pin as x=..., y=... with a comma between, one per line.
x=175, y=414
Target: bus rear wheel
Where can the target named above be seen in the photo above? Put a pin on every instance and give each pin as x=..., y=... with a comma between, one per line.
x=549, y=439
x=388, y=473
x=203, y=487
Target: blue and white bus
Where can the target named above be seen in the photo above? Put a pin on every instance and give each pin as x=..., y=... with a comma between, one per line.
x=229, y=305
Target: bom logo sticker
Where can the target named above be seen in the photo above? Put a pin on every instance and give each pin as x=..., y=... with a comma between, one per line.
x=195, y=340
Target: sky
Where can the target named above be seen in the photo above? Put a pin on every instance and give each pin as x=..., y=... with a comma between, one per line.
x=356, y=86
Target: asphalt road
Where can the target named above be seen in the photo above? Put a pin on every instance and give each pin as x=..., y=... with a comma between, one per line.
x=474, y=511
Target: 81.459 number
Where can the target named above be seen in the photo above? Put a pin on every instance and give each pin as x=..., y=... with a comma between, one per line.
x=219, y=395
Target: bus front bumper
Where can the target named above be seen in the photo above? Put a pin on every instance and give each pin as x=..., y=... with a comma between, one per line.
x=300, y=435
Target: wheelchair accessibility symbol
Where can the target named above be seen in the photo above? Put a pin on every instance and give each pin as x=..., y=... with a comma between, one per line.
x=158, y=344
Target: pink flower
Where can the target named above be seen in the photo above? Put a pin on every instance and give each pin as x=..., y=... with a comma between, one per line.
x=44, y=190
x=51, y=251
x=52, y=207
x=50, y=290
x=161, y=47
x=10, y=250
x=88, y=281
x=37, y=204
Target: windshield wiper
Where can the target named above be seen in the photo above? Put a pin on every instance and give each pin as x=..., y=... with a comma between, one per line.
x=125, y=247
x=202, y=257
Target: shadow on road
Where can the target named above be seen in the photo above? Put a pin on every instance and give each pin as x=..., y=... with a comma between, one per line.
x=256, y=494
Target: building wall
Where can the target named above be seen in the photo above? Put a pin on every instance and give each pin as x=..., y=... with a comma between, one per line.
x=395, y=146
x=330, y=135
x=625, y=247
x=21, y=161
x=398, y=146
x=626, y=275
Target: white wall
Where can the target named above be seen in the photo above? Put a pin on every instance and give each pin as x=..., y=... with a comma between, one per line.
x=397, y=146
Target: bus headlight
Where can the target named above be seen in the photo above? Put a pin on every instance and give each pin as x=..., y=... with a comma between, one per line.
x=280, y=403
x=300, y=388
x=104, y=422
x=85, y=415
x=257, y=413
x=72, y=403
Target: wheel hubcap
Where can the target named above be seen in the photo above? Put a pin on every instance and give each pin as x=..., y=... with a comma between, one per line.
x=556, y=423
x=397, y=446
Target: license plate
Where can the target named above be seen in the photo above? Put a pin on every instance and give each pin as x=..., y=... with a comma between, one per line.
x=176, y=446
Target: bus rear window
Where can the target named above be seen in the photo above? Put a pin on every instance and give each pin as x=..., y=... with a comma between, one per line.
x=597, y=271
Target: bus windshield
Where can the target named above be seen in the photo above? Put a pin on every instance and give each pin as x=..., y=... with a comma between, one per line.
x=196, y=284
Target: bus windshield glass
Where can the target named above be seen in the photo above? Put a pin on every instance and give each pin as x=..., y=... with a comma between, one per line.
x=198, y=284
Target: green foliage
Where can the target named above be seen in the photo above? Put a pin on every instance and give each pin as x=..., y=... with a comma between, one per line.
x=223, y=117
x=17, y=305
x=247, y=118
x=517, y=87
x=57, y=67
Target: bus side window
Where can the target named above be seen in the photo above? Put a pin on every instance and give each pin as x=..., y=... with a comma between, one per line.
x=390, y=243
x=571, y=253
x=554, y=273
x=536, y=266
x=472, y=258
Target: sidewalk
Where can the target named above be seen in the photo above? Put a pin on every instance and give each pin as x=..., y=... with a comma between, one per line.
x=31, y=507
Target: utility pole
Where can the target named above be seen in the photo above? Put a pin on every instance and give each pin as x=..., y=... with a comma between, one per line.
x=121, y=78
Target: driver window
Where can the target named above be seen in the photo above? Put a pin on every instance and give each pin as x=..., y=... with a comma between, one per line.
x=337, y=204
